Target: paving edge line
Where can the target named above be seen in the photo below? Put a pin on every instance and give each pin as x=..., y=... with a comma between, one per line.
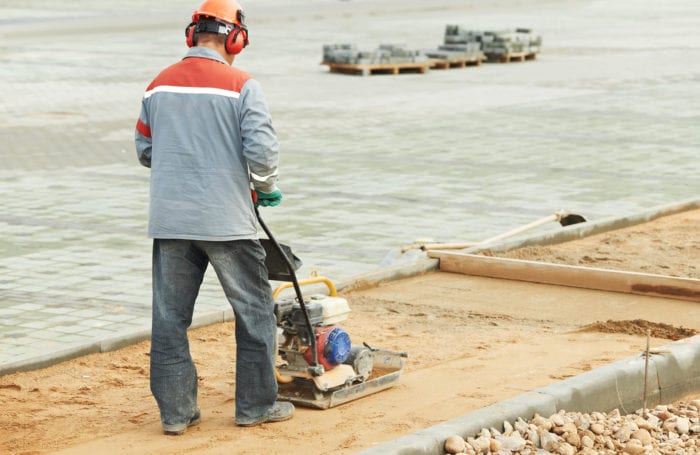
x=36, y=362
x=674, y=373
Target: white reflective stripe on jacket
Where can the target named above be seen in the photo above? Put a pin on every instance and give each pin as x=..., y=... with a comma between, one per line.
x=206, y=133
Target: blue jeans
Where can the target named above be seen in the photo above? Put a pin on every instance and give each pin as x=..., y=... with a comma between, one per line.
x=178, y=271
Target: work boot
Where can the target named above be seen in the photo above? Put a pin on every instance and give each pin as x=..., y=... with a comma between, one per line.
x=279, y=411
x=177, y=429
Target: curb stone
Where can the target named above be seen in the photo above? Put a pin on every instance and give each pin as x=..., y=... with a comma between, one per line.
x=581, y=230
x=673, y=374
x=105, y=345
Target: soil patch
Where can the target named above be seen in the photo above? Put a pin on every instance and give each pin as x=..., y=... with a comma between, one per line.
x=640, y=327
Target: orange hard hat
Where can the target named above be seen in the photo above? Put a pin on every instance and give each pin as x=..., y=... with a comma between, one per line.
x=224, y=10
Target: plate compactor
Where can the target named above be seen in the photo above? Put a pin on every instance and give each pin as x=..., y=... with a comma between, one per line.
x=318, y=366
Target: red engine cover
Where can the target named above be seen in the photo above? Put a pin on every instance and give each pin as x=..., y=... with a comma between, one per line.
x=332, y=345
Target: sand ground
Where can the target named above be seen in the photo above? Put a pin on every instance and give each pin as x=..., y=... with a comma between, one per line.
x=471, y=342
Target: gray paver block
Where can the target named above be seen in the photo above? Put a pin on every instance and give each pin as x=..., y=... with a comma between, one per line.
x=617, y=385
x=124, y=339
x=678, y=370
x=69, y=329
x=34, y=361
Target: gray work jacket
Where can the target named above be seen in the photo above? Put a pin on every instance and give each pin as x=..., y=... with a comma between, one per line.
x=206, y=133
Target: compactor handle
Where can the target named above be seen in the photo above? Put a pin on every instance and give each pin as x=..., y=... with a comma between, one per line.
x=311, y=280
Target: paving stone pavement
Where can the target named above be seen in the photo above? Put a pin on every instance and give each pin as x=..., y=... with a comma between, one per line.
x=604, y=123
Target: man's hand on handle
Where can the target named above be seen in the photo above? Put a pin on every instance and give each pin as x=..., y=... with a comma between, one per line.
x=267, y=199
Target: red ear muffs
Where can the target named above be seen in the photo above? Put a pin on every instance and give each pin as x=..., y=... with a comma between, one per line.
x=236, y=40
x=189, y=34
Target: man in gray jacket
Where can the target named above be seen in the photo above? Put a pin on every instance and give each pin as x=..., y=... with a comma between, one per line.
x=206, y=133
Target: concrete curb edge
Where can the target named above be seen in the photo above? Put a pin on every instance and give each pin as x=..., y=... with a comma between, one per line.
x=105, y=345
x=577, y=231
x=674, y=372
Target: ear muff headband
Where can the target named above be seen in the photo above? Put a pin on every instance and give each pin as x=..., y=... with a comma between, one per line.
x=236, y=36
x=243, y=27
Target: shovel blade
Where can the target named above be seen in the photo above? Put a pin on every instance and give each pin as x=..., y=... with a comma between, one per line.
x=570, y=219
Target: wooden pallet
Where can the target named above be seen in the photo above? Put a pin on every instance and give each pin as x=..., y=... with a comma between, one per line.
x=512, y=57
x=444, y=64
x=378, y=68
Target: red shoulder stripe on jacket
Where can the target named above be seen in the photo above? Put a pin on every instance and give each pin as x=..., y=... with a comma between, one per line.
x=201, y=72
x=143, y=129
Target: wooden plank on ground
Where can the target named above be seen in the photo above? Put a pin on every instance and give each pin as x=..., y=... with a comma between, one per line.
x=568, y=275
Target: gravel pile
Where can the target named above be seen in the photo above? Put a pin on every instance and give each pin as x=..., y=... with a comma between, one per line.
x=666, y=430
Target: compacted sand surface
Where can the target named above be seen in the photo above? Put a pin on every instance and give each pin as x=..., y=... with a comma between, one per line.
x=471, y=342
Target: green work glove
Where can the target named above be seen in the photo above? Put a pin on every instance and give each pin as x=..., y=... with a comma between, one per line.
x=268, y=199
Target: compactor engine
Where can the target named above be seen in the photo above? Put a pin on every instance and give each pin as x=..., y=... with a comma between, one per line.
x=333, y=344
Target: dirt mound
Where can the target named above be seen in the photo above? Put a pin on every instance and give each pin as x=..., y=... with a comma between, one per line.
x=640, y=327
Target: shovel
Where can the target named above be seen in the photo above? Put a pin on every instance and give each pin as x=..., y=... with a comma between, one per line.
x=563, y=217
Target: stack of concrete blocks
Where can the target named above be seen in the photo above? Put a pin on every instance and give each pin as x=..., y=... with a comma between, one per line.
x=397, y=53
x=455, y=34
x=496, y=44
x=535, y=41
x=340, y=53
x=385, y=54
x=462, y=51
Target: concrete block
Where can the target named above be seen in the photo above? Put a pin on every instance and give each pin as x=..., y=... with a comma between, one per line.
x=419, y=443
x=122, y=341
x=630, y=378
x=678, y=369
x=42, y=361
x=602, y=389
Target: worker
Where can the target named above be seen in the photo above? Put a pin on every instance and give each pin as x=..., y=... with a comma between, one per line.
x=205, y=132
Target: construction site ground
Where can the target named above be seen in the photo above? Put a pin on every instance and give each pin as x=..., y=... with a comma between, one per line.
x=602, y=123
x=471, y=341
